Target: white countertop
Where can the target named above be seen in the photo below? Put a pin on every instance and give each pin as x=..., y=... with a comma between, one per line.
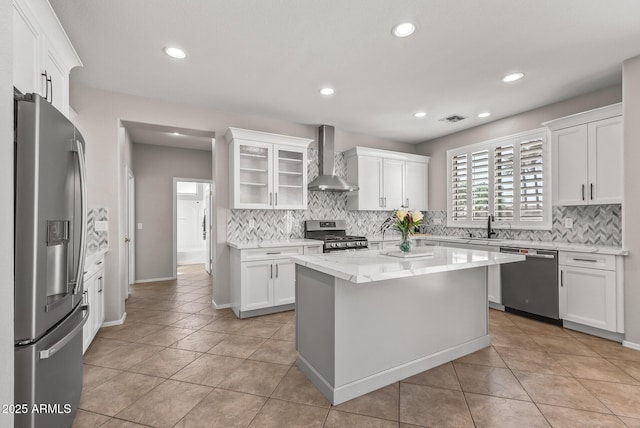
x=244, y=245
x=368, y=266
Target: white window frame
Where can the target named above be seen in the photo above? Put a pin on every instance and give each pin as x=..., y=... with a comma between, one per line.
x=490, y=145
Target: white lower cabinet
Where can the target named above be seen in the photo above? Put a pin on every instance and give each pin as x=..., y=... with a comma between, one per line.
x=263, y=280
x=591, y=296
x=93, y=297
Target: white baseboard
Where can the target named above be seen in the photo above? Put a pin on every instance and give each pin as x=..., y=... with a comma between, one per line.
x=631, y=345
x=371, y=383
x=116, y=322
x=141, y=281
x=222, y=306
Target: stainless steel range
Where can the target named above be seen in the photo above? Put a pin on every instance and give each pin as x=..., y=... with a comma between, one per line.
x=334, y=235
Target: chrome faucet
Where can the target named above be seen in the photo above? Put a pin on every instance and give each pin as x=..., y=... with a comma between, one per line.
x=490, y=233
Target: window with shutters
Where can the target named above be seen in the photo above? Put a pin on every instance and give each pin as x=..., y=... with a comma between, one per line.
x=507, y=178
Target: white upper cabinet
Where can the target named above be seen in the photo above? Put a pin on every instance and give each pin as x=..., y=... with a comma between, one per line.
x=587, y=157
x=386, y=180
x=42, y=54
x=268, y=171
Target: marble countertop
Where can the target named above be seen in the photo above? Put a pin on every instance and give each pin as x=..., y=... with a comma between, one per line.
x=369, y=266
x=245, y=245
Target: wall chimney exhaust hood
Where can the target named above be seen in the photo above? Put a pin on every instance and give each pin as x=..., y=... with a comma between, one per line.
x=328, y=181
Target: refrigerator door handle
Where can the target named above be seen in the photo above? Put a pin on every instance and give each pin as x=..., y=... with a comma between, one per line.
x=83, y=229
x=50, y=352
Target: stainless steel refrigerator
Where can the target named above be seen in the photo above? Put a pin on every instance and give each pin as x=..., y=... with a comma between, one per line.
x=50, y=239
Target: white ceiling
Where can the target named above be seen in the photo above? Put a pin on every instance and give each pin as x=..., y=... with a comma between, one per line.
x=168, y=136
x=270, y=57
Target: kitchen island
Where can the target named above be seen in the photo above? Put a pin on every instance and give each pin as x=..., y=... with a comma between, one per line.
x=365, y=319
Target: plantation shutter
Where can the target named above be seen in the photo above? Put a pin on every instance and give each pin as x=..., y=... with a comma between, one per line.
x=459, y=197
x=480, y=184
x=503, y=197
x=532, y=180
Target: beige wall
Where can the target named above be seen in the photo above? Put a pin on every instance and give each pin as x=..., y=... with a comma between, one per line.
x=532, y=119
x=631, y=206
x=6, y=211
x=154, y=168
x=99, y=115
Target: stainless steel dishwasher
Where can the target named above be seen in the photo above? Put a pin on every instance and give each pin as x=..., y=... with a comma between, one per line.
x=531, y=286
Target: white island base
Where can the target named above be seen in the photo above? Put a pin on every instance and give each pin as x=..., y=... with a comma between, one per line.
x=353, y=338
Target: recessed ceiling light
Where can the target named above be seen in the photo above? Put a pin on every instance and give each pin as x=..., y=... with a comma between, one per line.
x=404, y=29
x=175, y=52
x=512, y=77
x=484, y=114
x=420, y=114
x=327, y=91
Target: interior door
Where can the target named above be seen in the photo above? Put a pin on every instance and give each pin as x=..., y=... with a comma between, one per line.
x=207, y=227
x=131, y=232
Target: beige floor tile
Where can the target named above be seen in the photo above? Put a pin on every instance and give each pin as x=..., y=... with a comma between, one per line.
x=166, y=336
x=200, y=341
x=208, y=370
x=297, y=387
x=93, y=376
x=165, y=363
x=255, y=377
x=381, y=403
x=165, y=405
x=193, y=322
x=559, y=391
x=621, y=399
x=563, y=417
x=489, y=381
x=484, y=357
x=630, y=422
x=502, y=412
x=612, y=350
x=563, y=345
x=533, y=327
x=443, y=376
x=100, y=348
x=279, y=414
x=259, y=328
x=224, y=325
x=86, y=419
x=446, y=408
x=286, y=332
x=276, y=351
x=223, y=409
x=125, y=356
x=237, y=346
x=595, y=368
x=165, y=318
x=129, y=331
x=193, y=307
x=531, y=360
x=338, y=419
x=512, y=340
x=632, y=368
x=116, y=394
x=279, y=317
x=119, y=423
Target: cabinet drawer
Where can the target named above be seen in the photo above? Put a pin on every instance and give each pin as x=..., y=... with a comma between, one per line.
x=93, y=264
x=270, y=253
x=588, y=260
x=313, y=250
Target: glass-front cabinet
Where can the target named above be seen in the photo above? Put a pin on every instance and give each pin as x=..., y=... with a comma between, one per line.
x=268, y=171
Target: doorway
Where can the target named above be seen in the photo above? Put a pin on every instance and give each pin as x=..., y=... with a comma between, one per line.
x=192, y=223
x=130, y=252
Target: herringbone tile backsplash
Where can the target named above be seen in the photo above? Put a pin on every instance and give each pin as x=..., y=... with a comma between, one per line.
x=97, y=240
x=594, y=225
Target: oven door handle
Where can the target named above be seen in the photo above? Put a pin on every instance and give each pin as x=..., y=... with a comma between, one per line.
x=541, y=256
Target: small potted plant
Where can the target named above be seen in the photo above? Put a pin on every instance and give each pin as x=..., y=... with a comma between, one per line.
x=406, y=222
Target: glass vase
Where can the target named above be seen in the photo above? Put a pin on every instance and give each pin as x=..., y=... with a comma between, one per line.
x=405, y=244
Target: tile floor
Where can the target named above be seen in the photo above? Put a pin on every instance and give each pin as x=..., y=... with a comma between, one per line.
x=176, y=362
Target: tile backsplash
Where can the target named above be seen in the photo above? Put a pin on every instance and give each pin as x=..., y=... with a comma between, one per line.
x=597, y=224
x=97, y=240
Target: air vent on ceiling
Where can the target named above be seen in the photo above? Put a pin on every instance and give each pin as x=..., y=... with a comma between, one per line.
x=453, y=118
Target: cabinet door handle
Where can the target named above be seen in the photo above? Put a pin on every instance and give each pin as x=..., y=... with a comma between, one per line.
x=591, y=191
x=585, y=260
x=583, y=192
x=380, y=202
x=271, y=198
x=277, y=270
x=274, y=252
x=276, y=204
x=561, y=278
x=46, y=84
x=271, y=274
x=407, y=202
x=384, y=202
x=51, y=84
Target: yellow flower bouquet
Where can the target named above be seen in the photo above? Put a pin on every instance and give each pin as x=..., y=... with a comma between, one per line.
x=406, y=222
